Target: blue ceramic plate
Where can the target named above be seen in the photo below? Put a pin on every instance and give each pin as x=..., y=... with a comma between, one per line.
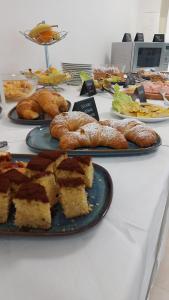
x=100, y=196
x=39, y=139
x=44, y=119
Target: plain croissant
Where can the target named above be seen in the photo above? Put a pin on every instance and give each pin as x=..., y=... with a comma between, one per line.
x=28, y=109
x=45, y=101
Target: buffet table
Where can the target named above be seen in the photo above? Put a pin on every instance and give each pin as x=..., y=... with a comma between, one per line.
x=115, y=259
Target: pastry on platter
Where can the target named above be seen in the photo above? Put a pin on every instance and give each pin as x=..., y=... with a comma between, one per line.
x=87, y=166
x=32, y=207
x=121, y=125
x=134, y=131
x=28, y=109
x=35, y=193
x=47, y=180
x=69, y=121
x=55, y=156
x=6, y=163
x=69, y=168
x=39, y=164
x=108, y=73
x=17, y=89
x=42, y=101
x=51, y=103
x=142, y=136
x=93, y=135
x=73, y=197
x=16, y=178
x=5, y=156
x=4, y=198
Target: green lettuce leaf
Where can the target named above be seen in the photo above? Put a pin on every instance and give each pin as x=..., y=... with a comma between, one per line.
x=122, y=102
x=84, y=76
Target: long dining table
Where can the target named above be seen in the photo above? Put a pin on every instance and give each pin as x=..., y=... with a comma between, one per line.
x=119, y=257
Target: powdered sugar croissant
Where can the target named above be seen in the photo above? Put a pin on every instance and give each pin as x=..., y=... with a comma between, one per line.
x=142, y=136
x=69, y=121
x=122, y=125
x=93, y=135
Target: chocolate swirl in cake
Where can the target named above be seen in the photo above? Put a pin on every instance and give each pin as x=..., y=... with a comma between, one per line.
x=32, y=192
x=84, y=159
x=41, y=174
x=70, y=182
x=53, y=155
x=38, y=163
x=71, y=164
x=16, y=177
x=5, y=156
x=4, y=184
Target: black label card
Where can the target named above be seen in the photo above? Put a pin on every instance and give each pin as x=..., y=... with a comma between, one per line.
x=87, y=106
x=88, y=88
x=130, y=80
x=159, y=37
x=3, y=144
x=127, y=37
x=140, y=93
x=139, y=37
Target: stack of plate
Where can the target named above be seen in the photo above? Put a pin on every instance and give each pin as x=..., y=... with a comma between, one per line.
x=74, y=70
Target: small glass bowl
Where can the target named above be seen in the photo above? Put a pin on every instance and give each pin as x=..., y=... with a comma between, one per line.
x=16, y=87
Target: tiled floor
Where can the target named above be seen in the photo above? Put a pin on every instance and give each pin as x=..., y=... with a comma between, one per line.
x=160, y=290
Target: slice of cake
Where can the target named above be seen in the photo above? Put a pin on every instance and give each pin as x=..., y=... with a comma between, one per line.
x=69, y=168
x=5, y=160
x=16, y=178
x=4, y=198
x=73, y=197
x=55, y=156
x=5, y=156
x=32, y=207
x=47, y=180
x=39, y=164
x=87, y=166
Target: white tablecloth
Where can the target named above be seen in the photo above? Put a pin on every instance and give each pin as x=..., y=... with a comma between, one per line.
x=115, y=259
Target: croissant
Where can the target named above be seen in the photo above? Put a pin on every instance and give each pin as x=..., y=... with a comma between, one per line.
x=142, y=136
x=69, y=121
x=42, y=100
x=28, y=109
x=121, y=125
x=45, y=100
x=93, y=135
x=52, y=103
x=60, y=101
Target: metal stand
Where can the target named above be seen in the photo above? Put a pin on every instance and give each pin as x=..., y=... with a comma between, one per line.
x=46, y=56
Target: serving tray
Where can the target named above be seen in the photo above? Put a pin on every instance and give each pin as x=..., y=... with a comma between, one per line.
x=44, y=119
x=152, y=96
x=99, y=196
x=39, y=139
x=145, y=120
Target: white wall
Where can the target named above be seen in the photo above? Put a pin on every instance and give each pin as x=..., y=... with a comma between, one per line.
x=149, y=17
x=92, y=26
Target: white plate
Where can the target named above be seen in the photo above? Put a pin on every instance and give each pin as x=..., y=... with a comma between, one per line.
x=145, y=120
x=81, y=65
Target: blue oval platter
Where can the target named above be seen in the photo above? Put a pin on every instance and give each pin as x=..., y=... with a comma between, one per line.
x=39, y=139
x=99, y=196
x=43, y=119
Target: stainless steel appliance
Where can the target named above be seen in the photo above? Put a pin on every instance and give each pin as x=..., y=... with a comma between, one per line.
x=136, y=55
